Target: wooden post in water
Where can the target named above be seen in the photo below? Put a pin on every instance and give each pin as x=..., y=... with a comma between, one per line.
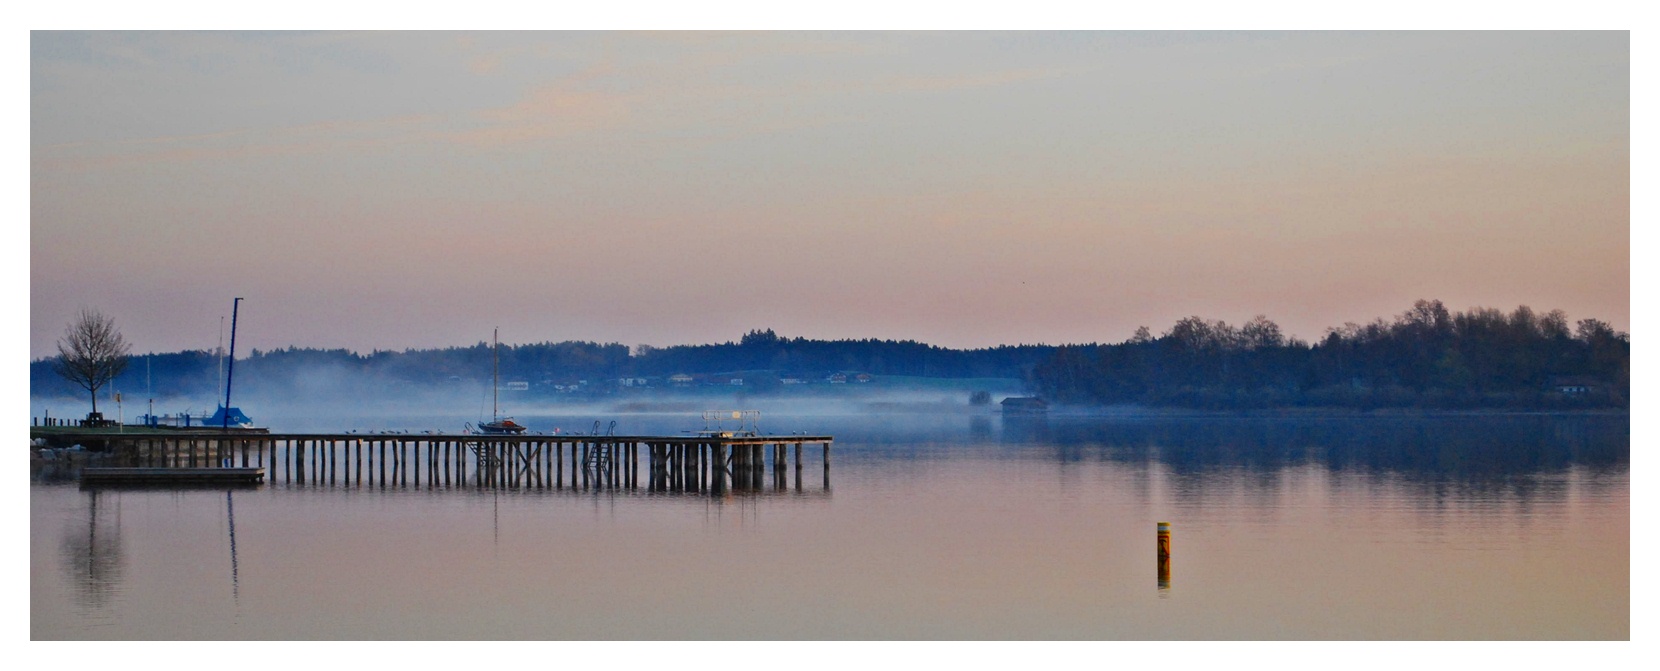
x=688, y=467
x=780, y=465
x=659, y=467
x=675, y=465
x=717, y=468
x=1164, y=556
x=740, y=467
x=658, y=473
x=678, y=469
x=683, y=470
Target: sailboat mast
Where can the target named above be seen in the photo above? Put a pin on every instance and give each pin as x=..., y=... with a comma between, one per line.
x=220, y=372
x=231, y=369
x=495, y=372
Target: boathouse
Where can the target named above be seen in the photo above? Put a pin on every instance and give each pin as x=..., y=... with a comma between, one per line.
x=1024, y=405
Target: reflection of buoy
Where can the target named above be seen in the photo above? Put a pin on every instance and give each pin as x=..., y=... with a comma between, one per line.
x=1164, y=556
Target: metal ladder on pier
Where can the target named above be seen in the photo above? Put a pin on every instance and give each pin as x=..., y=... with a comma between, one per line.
x=599, y=457
x=602, y=452
x=486, y=457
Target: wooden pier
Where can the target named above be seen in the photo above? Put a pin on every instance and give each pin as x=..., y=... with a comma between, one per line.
x=713, y=464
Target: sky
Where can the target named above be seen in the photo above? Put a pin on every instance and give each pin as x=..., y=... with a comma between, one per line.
x=392, y=190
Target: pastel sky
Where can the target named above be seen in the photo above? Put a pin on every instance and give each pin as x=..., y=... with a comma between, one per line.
x=390, y=190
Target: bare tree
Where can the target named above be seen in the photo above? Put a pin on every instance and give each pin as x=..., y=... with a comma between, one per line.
x=91, y=353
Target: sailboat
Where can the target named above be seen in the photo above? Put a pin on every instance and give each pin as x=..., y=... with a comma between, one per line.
x=497, y=425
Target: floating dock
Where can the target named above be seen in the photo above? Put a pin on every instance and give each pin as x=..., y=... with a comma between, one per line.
x=172, y=476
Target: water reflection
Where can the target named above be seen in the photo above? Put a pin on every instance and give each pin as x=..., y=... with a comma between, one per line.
x=1474, y=457
x=230, y=522
x=1028, y=430
x=948, y=527
x=93, y=555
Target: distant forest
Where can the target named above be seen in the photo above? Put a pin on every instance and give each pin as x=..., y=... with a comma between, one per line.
x=1424, y=357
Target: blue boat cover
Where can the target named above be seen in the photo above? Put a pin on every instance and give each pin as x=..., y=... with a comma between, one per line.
x=236, y=417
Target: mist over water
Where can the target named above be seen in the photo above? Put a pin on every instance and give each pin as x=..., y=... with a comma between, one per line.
x=321, y=398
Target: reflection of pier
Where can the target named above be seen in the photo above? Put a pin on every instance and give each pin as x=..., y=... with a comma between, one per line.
x=714, y=464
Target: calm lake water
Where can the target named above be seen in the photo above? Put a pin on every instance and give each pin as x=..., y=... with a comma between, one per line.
x=932, y=527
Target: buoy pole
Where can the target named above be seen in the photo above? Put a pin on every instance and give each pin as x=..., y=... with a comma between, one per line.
x=1164, y=556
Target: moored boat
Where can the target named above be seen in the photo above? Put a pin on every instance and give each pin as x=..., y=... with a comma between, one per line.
x=497, y=425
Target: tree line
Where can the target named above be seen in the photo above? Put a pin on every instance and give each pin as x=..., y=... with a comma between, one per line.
x=199, y=373
x=1426, y=356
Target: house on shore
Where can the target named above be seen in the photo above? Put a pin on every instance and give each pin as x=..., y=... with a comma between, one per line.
x=1574, y=385
x=1024, y=405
